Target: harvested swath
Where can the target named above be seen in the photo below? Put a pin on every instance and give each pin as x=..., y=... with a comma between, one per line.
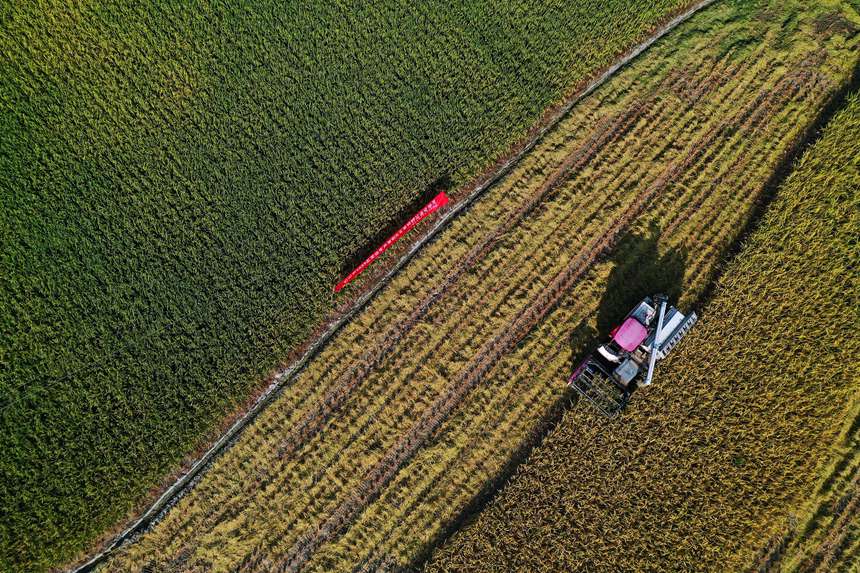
x=843, y=531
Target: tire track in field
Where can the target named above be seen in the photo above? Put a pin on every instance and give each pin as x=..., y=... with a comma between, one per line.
x=846, y=514
x=495, y=348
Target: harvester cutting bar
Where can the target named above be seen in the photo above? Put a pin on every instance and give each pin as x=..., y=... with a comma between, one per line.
x=596, y=387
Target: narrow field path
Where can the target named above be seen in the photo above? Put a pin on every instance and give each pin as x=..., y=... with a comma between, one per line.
x=415, y=405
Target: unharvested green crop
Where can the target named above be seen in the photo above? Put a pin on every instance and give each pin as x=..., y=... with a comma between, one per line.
x=415, y=407
x=180, y=184
x=709, y=469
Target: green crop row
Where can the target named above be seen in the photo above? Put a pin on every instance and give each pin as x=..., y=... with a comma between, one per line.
x=181, y=185
x=710, y=468
x=415, y=406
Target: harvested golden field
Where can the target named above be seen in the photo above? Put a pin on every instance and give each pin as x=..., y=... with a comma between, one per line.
x=756, y=412
x=416, y=406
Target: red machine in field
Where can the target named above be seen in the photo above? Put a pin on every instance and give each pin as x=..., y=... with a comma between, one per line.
x=608, y=376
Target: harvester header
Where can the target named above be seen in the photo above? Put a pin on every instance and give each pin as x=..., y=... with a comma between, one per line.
x=649, y=332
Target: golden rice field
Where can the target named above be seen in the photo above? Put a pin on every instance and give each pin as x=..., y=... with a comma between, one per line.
x=378, y=445
x=828, y=539
x=745, y=456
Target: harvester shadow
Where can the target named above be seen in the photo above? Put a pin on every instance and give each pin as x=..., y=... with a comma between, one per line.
x=640, y=270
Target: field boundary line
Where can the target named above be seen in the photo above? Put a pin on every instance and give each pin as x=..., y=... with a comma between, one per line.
x=188, y=479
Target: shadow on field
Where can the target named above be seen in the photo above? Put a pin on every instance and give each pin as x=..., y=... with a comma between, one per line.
x=639, y=271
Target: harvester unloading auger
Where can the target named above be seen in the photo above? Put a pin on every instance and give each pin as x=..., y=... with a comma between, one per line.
x=608, y=376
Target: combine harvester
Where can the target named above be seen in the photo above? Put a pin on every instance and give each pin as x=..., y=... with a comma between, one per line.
x=608, y=376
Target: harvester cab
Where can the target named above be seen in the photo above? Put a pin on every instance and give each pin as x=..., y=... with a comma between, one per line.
x=608, y=376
